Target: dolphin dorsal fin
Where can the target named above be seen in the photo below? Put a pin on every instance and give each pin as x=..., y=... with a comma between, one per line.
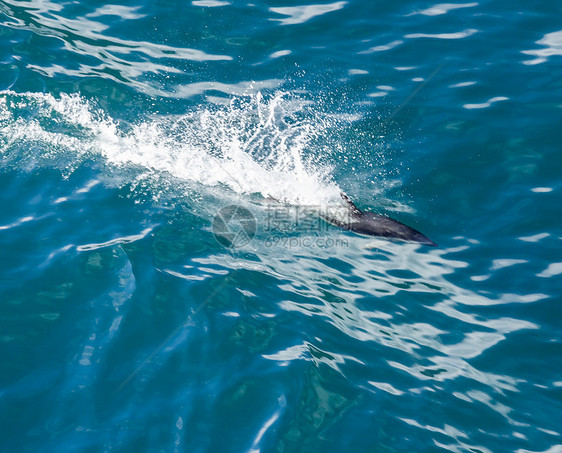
x=354, y=209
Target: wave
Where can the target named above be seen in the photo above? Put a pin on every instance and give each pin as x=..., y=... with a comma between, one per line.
x=253, y=145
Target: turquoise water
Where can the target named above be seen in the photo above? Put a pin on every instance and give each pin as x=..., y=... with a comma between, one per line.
x=125, y=325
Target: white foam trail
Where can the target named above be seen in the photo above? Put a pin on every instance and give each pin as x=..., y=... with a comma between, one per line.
x=253, y=145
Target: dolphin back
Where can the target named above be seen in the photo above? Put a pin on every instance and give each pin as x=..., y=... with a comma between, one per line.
x=372, y=224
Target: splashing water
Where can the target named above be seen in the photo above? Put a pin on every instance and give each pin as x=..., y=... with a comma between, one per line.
x=252, y=145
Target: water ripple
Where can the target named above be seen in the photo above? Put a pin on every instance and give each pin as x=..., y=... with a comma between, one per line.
x=117, y=59
x=552, y=270
x=302, y=14
x=457, y=35
x=381, y=48
x=552, y=43
x=486, y=104
x=112, y=242
x=444, y=8
x=210, y=3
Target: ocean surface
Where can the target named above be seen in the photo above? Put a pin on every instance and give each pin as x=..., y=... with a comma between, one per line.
x=140, y=311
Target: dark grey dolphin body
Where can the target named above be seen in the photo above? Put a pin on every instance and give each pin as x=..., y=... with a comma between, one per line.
x=372, y=224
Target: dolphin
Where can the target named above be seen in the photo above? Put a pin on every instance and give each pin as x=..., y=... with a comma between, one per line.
x=371, y=224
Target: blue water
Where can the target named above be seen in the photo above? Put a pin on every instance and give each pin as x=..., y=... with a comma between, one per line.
x=126, y=325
